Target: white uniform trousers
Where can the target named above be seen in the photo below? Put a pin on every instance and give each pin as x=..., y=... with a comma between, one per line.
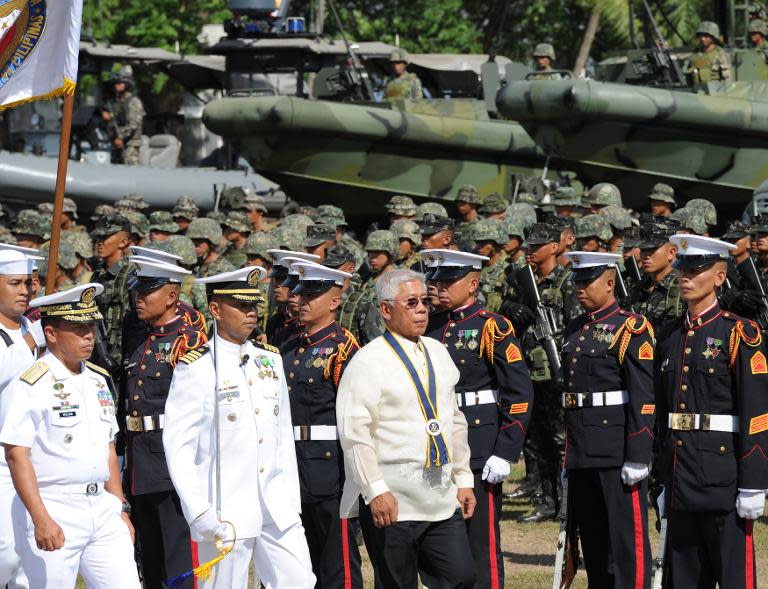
x=11, y=573
x=280, y=560
x=96, y=542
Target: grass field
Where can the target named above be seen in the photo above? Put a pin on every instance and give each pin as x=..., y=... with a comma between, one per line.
x=529, y=549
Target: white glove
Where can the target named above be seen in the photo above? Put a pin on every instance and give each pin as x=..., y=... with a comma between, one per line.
x=660, y=502
x=208, y=526
x=36, y=331
x=750, y=503
x=633, y=472
x=496, y=470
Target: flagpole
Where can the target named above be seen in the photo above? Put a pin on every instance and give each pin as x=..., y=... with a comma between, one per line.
x=58, y=194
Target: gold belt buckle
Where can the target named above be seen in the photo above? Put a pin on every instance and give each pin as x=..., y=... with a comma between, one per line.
x=304, y=433
x=571, y=400
x=134, y=424
x=683, y=421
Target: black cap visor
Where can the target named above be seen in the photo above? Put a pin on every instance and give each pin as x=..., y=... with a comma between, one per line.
x=146, y=283
x=694, y=262
x=309, y=287
x=451, y=273
x=590, y=273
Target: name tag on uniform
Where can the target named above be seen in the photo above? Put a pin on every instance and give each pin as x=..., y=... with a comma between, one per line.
x=227, y=393
x=65, y=414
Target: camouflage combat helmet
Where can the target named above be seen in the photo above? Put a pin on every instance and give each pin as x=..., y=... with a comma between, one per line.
x=45, y=208
x=30, y=222
x=383, y=240
x=469, y=194
x=297, y=220
x=178, y=245
x=102, y=210
x=544, y=50
x=253, y=202
x=124, y=74
x=81, y=243
x=162, y=221
x=594, y=226
x=703, y=207
x=757, y=25
x=238, y=221
x=139, y=223
x=288, y=237
x=494, y=203
x=603, y=194
x=401, y=205
x=132, y=201
x=205, y=228
x=67, y=258
x=522, y=211
x=490, y=230
x=429, y=208
x=309, y=211
x=690, y=220
x=69, y=207
x=258, y=243
x=566, y=196
x=399, y=55
x=707, y=27
x=514, y=227
x=331, y=215
x=406, y=229
x=185, y=208
x=663, y=192
x=618, y=217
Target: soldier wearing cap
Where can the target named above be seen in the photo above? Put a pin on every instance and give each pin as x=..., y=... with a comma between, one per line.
x=254, y=208
x=601, y=195
x=760, y=234
x=712, y=417
x=316, y=361
x=593, y=232
x=162, y=531
x=206, y=234
x=184, y=211
x=236, y=229
x=139, y=227
x=58, y=431
x=710, y=63
x=229, y=447
x=657, y=297
x=401, y=208
x=124, y=116
x=404, y=85
x=757, y=33
x=19, y=341
x=161, y=225
x=69, y=216
x=131, y=202
x=490, y=238
x=101, y=211
x=257, y=250
x=407, y=232
x=513, y=249
x=661, y=200
x=319, y=239
x=609, y=417
x=467, y=202
x=334, y=217
x=494, y=206
x=494, y=392
x=740, y=292
x=436, y=231
x=31, y=229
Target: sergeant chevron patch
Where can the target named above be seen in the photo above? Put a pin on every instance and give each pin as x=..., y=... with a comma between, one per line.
x=645, y=352
x=513, y=354
x=758, y=364
x=517, y=408
x=648, y=410
x=758, y=424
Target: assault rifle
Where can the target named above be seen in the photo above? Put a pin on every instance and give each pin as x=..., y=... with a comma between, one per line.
x=545, y=326
x=752, y=278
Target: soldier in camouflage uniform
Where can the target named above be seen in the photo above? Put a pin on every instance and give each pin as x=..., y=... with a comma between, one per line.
x=161, y=225
x=319, y=239
x=257, y=249
x=689, y=221
x=436, y=232
x=601, y=195
x=255, y=208
x=360, y=312
x=567, y=202
x=131, y=202
x=760, y=234
x=101, y=210
x=658, y=295
x=494, y=206
x=593, y=233
x=523, y=211
x=490, y=238
x=467, y=202
x=205, y=234
x=65, y=265
x=706, y=210
x=82, y=247
x=237, y=228
x=739, y=293
x=401, y=208
x=620, y=221
x=287, y=237
x=429, y=208
x=184, y=211
x=543, y=57
x=139, y=226
x=711, y=63
x=31, y=229
x=405, y=85
x=124, y=117
x=297, y=220
x=757, y=33
x=515, y=254
x=69, y=216
x=333, y=216
x=407, y=232
x=661, y=200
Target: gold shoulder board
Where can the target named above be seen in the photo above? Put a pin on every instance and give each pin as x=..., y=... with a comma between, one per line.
x=34, y=372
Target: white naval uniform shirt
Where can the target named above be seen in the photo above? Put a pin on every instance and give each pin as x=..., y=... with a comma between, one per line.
x=259, y=476
x=384, y=437
x=67, y=420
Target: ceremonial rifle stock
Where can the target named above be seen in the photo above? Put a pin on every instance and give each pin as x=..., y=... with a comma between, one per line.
x=567, y=556
x=544, y=327
x=632, y=269
x=658, y=563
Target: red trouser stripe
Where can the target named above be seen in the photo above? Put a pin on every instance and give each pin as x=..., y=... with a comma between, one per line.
x=195, y=559
x=492, y=539
x=637, y=519
x=750, y=560
x=345, y=552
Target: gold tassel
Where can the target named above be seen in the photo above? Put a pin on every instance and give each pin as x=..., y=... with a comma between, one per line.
x=492, y=333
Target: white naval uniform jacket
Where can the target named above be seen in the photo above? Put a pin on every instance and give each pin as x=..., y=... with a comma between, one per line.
x=258, y=457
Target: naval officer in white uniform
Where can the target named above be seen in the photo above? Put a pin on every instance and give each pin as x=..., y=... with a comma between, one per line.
x=58, y=432
x=259, y=500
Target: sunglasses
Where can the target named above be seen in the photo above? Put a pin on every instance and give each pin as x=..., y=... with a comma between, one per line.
x=413, y=302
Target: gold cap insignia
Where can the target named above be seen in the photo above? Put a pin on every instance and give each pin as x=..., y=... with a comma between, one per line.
x=684, y=243
x=301, y=271
x=87, y=296
x=577, y=259
x=253, y=278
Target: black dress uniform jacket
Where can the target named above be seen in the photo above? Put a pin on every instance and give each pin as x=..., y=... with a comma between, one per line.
x=712, y=364
x=609, y=350
x=148, y=378
x=488, y=355
x=282, y=329
x=314, y=364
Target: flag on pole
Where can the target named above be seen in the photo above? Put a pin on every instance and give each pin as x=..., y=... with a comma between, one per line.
x=39, y=45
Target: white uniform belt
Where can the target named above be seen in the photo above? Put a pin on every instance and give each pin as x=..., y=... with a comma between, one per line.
x=601, y=399
x=305, y=433
x=145, y=423
x=73, y=488
x=477, y=397
x=703, y=422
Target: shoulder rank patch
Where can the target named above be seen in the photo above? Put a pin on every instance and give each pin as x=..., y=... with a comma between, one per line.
x=97, y=368
x=195, y=354
x=267, y=347
x=758, y=363
x=758, y=424
x=645, y=352
x=513, y=354
x=34, y=372
x=648, y=409
x=517, y=408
